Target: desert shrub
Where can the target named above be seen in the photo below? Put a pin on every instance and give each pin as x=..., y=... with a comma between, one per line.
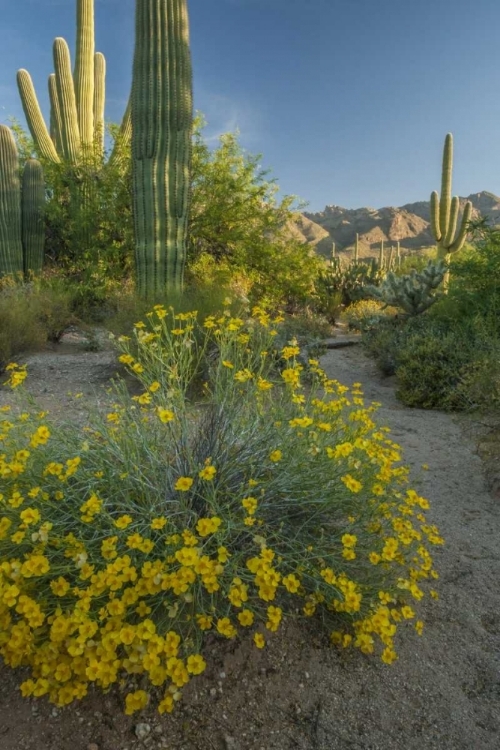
x=30, y=315
x=365, y=313
x=124, y=544
x=429, y=369
x=438, y=363
x=383, y=339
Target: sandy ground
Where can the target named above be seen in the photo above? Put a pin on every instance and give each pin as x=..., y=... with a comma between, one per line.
x=442, y=694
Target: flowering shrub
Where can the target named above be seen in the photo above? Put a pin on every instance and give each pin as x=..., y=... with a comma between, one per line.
x=123, y=544
x=366, y=312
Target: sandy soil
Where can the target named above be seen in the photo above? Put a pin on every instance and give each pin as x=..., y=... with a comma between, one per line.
x=443, y=692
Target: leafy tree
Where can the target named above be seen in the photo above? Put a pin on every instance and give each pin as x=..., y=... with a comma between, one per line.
x=239, y=224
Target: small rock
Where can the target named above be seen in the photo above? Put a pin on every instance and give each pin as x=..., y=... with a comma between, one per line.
x=142, y=731
x=213, y=692
x=92, y=746
x=230, y=742
x=54, y=712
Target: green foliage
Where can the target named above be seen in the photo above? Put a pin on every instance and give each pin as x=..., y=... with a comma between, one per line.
x=347, y=282
x=89, y=225
x=439, y=363
x=475, y=284
x=30, y=315
x=237, y=230
x=413, y=293
x=366, y=313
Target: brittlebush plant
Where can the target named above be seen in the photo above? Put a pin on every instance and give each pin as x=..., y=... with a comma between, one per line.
x=123, y=545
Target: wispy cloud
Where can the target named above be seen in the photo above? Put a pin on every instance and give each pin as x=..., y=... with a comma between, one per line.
x=225, y=114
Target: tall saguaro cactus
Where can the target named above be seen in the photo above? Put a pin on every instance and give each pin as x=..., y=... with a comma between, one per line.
x=11, y=246
x=162, y=117
x=445, y=209
x=21, y=211
x=77, y=99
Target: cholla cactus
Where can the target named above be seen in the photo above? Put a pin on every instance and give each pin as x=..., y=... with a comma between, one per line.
x=414, y=293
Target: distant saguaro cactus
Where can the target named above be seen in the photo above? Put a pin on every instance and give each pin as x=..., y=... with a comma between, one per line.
x=21, y=211
x=162, y=119
x=445, y=209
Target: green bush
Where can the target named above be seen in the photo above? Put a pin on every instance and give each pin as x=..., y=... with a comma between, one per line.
x=439, y=363
x=30, y=315
x=124, y=544
x=429, y=369
x=366, y=313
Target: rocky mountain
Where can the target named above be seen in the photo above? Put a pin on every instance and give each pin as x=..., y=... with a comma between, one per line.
x=408, y=224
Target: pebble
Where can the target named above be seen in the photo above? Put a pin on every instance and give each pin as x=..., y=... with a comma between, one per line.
x=92, y=746
x=142, y=731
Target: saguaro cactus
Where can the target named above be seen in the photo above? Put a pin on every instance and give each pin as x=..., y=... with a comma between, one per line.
x=21, y=211
x=162, y=117
x=356, y=249
x=445, y=209
x=32, y=217
x=77, y=100
x=11, y=246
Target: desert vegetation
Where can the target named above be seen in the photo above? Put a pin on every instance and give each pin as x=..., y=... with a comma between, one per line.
x=241, y=486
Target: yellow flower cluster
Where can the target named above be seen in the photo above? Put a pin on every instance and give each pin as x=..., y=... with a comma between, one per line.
x=122, y=546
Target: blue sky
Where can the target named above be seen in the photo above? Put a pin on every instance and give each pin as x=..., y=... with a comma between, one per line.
x=348, y=101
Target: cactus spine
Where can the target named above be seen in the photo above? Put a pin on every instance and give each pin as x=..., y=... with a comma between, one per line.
x=21, y=210
x=77, y=100
x=162, y=115
x=445, y=209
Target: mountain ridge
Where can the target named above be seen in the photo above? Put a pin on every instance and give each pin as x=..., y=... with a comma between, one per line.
x=408, y=224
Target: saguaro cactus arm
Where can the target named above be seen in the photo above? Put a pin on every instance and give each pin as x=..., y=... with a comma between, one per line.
x=84, y=70
x=99, y=100
x=34, y=117
x=70, y=132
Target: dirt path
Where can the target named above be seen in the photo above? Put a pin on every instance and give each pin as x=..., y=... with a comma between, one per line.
x=443, y=692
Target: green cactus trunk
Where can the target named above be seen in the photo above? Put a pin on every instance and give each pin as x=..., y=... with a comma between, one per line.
x=32, y=217
x=356, y=249
x=162, y=116
x=11, y=246
x=21, y=211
